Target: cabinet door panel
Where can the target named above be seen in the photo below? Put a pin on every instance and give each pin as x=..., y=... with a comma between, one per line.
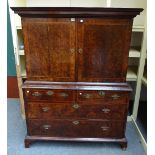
x=49, y=47
x=105, y=46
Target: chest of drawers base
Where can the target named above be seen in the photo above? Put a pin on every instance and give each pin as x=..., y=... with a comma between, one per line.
x=76, y=111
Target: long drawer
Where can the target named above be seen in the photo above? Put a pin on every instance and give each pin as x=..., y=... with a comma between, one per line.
x=105, y=96
x=40, y=110
x=49, y=95
x=76, y=128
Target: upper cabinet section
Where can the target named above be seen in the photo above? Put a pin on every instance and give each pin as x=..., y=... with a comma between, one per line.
x=76, y=43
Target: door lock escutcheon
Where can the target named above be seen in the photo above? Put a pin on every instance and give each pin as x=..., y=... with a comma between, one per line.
x=80, y=50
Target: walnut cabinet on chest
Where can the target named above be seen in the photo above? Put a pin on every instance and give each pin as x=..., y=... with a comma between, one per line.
x=76, y=64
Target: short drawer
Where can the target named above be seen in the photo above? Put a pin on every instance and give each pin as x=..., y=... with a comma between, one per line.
x=48, y=95
x=107, y=95
x=76, y=128
x=39, y=110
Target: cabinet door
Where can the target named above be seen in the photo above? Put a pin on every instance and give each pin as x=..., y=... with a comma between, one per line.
x=103, y=46
x=49, y=48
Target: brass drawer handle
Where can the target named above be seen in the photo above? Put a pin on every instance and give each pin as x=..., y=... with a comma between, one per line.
x=36, y=94
x=105, y=128
x=46, y=127
x=87, y=95
x=115, y=96
x=49, y=93
x=76, y=106
x=75, y=122
x=45, y=109
x=106, y=110
x=101, y=93
x=63, y=94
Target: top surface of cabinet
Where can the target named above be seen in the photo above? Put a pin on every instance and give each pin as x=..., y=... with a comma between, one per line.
x=76, y=12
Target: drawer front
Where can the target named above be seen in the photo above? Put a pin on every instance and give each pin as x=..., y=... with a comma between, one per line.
x=107, y=96
x=40, y=110
x=48, y=95
x=76, y=128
